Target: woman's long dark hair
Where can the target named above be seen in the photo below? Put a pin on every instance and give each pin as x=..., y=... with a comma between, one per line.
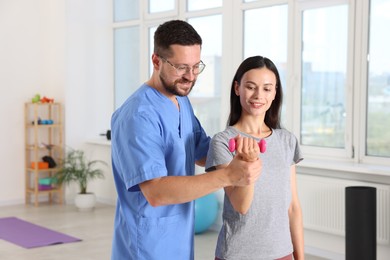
x=272, y=116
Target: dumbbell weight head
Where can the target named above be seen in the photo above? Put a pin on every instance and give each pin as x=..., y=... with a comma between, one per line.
x=262, y=145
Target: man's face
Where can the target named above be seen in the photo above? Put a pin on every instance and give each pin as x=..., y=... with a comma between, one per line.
x=176, y=72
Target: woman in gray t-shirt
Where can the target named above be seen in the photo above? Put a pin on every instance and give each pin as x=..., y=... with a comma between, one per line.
x=262, y=221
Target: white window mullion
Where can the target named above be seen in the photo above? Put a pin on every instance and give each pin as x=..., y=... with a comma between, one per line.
x=350, y=89
x=230, y=40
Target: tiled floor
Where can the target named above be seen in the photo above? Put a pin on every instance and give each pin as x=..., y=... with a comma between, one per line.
x=205, y=245
x=94, y=228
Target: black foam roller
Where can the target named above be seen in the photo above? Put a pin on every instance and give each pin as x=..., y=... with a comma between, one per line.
x=360, y=223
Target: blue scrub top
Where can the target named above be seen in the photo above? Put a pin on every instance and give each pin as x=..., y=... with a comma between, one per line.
x=151, y=138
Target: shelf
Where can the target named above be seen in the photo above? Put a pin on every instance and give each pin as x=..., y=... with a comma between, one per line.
x=43, y=191
x=42, y=140
x=42, y=170
x=43, y=126
x=42, y=148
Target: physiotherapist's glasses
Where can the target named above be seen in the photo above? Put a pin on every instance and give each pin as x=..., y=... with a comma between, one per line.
x=183, y=69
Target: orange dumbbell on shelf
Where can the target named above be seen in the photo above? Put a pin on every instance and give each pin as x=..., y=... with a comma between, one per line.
x=40, y=165
x=47, y=100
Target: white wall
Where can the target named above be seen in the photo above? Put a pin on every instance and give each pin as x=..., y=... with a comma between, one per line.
x=32, y=51
x=89, y=85
x=61, y=49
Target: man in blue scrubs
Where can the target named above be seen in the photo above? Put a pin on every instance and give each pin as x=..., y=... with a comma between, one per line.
x=156, y=141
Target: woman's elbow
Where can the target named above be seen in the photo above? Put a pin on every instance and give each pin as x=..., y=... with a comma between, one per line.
x=242, y=210
x=294, y=210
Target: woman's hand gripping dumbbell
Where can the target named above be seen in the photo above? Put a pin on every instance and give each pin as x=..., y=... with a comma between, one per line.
x=262, y=145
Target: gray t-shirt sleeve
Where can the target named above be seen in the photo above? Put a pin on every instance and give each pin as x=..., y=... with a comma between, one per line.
x=219, y=153
x=297, y=152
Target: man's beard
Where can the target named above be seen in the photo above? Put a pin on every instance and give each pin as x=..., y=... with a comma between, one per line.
x=174, y=89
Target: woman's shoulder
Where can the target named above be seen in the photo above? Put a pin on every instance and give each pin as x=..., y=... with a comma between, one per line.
x=283, y=133
x=226, y=134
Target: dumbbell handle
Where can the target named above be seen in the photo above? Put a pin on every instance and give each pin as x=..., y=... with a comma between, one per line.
x=262, y=145
x=107, y=134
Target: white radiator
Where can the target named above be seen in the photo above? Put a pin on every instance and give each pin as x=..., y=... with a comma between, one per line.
x=323, y=205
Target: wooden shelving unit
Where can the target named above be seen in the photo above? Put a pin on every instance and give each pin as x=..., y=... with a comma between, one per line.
x=43, y=137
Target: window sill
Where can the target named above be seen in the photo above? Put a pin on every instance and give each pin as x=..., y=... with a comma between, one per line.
x=342, y=169
x=99, y=141
x=314, y=166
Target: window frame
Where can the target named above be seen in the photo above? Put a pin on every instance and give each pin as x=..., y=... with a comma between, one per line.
x=346, y=153
x=362, y=38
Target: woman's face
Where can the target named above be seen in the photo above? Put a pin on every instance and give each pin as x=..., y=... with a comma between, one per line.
x=257, y=90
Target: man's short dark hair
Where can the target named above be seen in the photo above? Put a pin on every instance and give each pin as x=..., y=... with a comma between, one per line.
x=174, y=32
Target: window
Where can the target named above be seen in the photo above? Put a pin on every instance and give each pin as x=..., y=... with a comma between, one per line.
x=378, y=84
x=324, y=76
x=334, y=66
x=125, y=10
x=194, y=5
x=157, y=6
x=126, y=57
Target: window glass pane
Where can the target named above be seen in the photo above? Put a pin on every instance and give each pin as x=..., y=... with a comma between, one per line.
x=194, y=5
x=324, y=62
x=378, y=115
x=126, y=10
x=269, y=41
x=157, y=6
x=126, y=55
x=205, y=96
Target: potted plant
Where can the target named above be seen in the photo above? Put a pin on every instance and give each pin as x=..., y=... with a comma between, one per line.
x=75, y=167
